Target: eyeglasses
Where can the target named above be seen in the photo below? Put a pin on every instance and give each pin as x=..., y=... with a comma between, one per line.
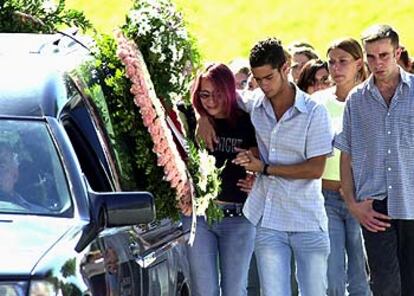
x=205, y=94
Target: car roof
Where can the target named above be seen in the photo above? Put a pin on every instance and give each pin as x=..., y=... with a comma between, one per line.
x=32, y=73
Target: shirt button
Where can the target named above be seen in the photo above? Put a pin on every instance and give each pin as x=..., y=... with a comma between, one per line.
x=388, y=114
x=389, y=132
x=389, y=169
x=389, y=151
x=390, y=187
x=273, y=149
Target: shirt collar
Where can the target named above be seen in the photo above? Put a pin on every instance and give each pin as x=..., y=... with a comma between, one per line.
x=299, y=104
x=403, y=78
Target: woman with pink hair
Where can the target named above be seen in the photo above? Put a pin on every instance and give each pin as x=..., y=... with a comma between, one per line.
x=220, y=256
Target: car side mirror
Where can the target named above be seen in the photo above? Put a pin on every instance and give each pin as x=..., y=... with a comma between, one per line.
x=112, y=209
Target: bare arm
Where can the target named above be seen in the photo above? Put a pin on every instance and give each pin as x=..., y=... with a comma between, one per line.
x=347, y=182
x=362, y=210
x=309, y=169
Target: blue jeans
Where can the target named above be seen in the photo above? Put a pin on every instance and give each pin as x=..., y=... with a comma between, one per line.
x=220, y=251
x=347, y=262
x=273, y=251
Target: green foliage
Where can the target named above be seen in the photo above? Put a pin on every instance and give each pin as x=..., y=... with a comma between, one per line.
x=168, y=50
x=38, y=16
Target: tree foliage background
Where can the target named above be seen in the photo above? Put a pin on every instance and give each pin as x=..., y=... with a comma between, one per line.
x=39, y=16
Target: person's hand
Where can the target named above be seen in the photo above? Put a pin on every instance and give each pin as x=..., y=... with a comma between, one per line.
x=368, y=217
x=205, y=133
x=246, y=159
x=246, y=184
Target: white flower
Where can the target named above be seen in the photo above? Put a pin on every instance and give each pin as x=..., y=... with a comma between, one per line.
x=155, y=48
x=173, y=79
x=202, y=204
x=143, y=26
x=182, y=34
x=49, y=6
x=207, y=162
x=162, y=58
x=202, y=183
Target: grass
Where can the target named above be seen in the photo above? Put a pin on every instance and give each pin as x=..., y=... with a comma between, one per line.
x=228, y=29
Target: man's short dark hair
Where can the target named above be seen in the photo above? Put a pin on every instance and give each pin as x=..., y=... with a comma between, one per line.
x=267, y=52
x=378, y=32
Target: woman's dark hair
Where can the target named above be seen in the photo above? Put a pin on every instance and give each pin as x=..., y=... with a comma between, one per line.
x=308, y=72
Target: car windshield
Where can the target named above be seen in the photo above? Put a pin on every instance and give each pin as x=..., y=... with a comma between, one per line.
x=32, y=179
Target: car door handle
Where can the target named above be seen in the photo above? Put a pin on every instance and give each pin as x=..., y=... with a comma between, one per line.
x=146, y=260
x=169, y=242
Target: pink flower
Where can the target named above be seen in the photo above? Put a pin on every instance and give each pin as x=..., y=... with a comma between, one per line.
x=128, y=61
x=169, y=176
x=140, y=100
x=175, y=181
x=180, y=186
x=160, y=147
x=170, y=168
x=130, y=71
x=162, y=159
x=136, y=80
x=147, y=120
x=136, y=89
x=154, y=129
x=148, y=116
x=122, y=53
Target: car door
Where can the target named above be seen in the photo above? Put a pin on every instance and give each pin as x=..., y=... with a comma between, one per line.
x=156, y=251
x=111, y=248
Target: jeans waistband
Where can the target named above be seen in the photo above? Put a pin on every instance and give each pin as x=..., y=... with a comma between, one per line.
x=331, y=194
x=232, y=209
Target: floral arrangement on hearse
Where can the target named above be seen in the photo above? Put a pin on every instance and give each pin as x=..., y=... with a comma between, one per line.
x=152, y=59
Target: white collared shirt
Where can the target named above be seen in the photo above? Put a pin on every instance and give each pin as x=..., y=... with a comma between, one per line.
x=303, y=132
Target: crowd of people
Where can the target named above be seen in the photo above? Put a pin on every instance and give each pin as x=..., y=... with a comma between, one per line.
x=331, y=146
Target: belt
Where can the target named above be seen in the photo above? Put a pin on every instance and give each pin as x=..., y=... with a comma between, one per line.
x=232, y=210
x=331, y=185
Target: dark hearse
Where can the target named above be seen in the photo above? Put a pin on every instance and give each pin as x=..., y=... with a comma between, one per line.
x=66, y=226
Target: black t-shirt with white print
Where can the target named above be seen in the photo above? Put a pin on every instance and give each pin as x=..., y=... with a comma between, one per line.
x=240, y=135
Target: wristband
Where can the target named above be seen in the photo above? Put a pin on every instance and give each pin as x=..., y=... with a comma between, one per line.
x=264, y=172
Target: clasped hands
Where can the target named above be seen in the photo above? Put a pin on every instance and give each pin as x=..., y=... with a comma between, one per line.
x=246, y=159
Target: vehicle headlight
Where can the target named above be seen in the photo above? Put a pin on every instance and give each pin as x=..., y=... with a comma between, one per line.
x=13, y=288
x=43, y=288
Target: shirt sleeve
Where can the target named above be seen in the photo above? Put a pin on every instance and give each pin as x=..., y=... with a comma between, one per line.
x=320, y=135
x=245, y=100
x=343, y=139
x=251, y=134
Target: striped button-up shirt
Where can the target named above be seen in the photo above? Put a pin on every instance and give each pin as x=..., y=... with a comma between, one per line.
x=303, y=132
x=380, y=141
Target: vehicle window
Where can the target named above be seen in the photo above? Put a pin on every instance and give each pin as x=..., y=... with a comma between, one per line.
x=32, y=179
x=120, y=138
x=84, y=136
